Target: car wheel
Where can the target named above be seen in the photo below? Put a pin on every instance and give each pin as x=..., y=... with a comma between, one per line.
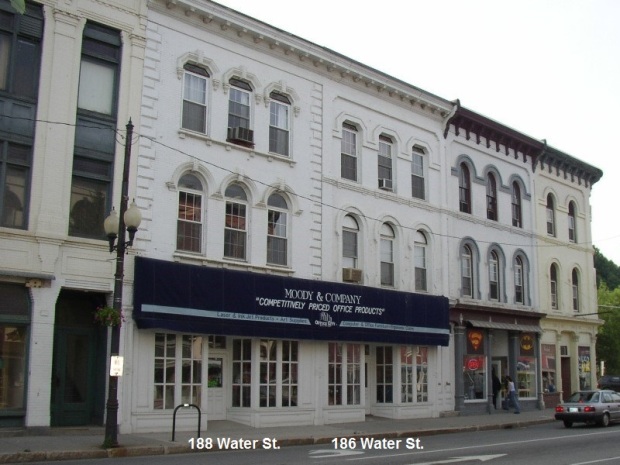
x=568, y=423
x=605, y=420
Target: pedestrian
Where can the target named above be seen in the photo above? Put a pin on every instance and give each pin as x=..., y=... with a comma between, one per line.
x=497, y=386
x=512, y=395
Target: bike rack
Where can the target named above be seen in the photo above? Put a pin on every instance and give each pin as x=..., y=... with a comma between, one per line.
x=174, y=417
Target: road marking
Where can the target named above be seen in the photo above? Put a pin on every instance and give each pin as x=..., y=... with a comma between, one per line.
x=331, y=453
x=611, y=459
x=480, y=458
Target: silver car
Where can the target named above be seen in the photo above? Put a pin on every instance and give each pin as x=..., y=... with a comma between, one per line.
x=600, y=407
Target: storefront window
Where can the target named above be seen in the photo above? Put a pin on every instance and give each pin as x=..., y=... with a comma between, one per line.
x=475, y=366
x=215, y=373
x=413, y=374
x=385, y=369
x=526, y=366
x=548, y=367
x=584, y=368
x=344, y=374
x=242, y=372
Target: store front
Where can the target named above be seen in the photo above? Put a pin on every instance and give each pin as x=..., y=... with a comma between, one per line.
x=268, y=350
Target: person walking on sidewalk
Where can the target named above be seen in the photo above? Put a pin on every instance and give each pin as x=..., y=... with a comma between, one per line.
x=512, y=395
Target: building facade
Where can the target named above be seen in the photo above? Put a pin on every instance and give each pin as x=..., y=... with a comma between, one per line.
x=71, y=79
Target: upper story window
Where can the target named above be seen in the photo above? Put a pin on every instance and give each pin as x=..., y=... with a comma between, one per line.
x=550, y=210
x=279, y=123
x=553, y=286
x=195, y=98
x=519, y=280
x=419, y=261
x=189, y=219
x=467, y=272
x=15, y=165
x=572, y=224
x=239, y=123
x=277, y=230
x=418, y=188
x=387, y=255
x=575, y=289
x=20, y=51
x=517, y=214
x=494, y=276
x=235, y=230
x=491, y=197
x=464, y=189
x=350, y=239
x=384, y=162
x=348, y=152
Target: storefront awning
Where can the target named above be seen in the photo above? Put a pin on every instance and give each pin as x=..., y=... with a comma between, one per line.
x=218, y=301
x=506, y=326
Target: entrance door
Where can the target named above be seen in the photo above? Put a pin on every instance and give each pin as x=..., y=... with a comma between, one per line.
x=216, y=387
x=567, y=389
x=78, y=367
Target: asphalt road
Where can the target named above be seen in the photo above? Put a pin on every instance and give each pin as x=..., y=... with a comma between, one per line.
x=548, y=444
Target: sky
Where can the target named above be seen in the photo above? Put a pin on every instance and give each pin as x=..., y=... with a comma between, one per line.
x=547, y=68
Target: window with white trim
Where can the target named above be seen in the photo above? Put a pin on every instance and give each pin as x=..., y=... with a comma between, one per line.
x=467, y=272
x=464, y=189
x=575, y=289
x=384, y=162
x=491, y=197
x=384, y=365
x=189, y=219
x=494, y=283
x=348, y=152
x=553, y=286
x=572, y=223
x=235, y=230
x=517, y=214
x=550, y=211
x=277, y=227
x=519, y=281
x=239, y=113
x=387, y=255
x=242, y=373
x=344, y=374
x=195, y=80
x=413, y=374
x=418, y=187
x=279, y=123
x=419, y=261
x=278, y=373
x=350, y=232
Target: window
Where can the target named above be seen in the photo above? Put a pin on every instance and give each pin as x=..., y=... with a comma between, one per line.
x=189, y=220
x=550, y=216
x=491, y=198
x=348, y=152
x=419, y=259
x=277, y=219
x=387, y=255
x=467, y=272
x=242, y=372
x=278, y=373
x=95, y=132
x=494, y=284
x=553, y=273
x=235, y=231
x=15, y=163
x=239, y=124
x=517, y=216
x=519, y=281
x=344, y=374
x=572, y=231
x=195, y=98
x=350, y=232
x=575, y=288
x=385, y=375
x=279, y=124
x=417, y=173
x=178, y=370
x=464, y=189
x=384, y=161
x=413, y=374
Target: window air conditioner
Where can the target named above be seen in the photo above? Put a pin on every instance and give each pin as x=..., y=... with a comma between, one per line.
x=352, y=275
x=385, y=184
x=240, y=134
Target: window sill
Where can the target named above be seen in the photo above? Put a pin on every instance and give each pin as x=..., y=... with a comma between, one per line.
x=197, y=259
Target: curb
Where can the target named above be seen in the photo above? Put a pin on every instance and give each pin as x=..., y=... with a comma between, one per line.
x=143, y=451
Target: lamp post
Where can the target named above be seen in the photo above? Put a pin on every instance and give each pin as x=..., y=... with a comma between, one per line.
x=115, y=227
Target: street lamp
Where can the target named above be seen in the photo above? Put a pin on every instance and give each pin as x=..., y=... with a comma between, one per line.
x=115, y=226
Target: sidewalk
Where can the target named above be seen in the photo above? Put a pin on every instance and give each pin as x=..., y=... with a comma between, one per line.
x=85, y=443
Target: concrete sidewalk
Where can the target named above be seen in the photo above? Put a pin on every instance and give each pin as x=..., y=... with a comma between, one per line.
x=19, y=446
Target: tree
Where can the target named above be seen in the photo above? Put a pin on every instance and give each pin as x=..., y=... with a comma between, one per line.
x=19, y=5
x=606, y=270
x=608, y=340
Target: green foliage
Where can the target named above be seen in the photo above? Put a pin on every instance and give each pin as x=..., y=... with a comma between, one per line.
x=608, y=340
x=19, y=6
x=606, y=270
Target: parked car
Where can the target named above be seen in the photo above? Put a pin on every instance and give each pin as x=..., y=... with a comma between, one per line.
x=609, y=382
x=600, y=407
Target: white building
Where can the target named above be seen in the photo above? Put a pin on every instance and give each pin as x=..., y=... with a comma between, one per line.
x=70, y=79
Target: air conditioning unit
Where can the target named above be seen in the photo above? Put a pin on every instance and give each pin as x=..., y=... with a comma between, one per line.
x=240, y=134
x=385, y=184
x=352, y=275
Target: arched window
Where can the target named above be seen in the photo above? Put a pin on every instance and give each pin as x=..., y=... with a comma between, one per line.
x=491, y=197
x=189, y=217
x=350, y=259
x=418, y=187
x=553, y=282
x=348, y=152
x=550, y=215
x=279, y=123
x=239, y=113
x=464, y=189
x=517, y=214
x=467, y=271
x=494, y=276
x=519, y=280
x=235, y=230
x=277, y=230
x=195, y=98
x=387, y=255
x=419, y=259
x=384, y=163
x=572, y=225
x=575, y=286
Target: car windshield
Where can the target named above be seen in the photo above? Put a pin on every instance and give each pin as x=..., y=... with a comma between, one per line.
x=584, y=397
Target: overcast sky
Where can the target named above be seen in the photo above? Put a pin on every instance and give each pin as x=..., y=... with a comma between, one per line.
x=547, y=68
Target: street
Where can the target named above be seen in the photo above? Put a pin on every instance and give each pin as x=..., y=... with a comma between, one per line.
x=548, y=444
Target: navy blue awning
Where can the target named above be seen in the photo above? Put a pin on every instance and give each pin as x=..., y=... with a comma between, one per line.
x=205, y=300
